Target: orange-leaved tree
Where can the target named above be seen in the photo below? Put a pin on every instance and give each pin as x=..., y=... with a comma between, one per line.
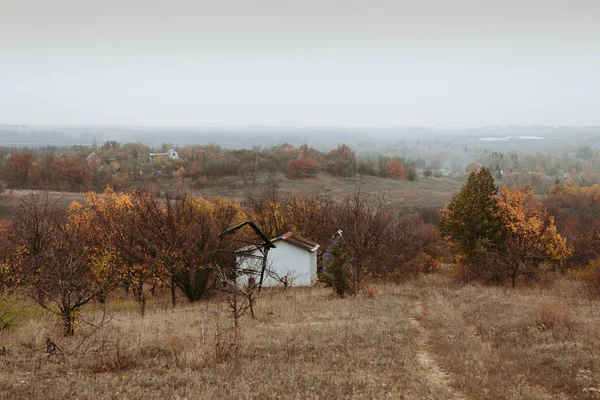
x=302, y=167
x=114, y=222
x=396, y=169
x=530, y=234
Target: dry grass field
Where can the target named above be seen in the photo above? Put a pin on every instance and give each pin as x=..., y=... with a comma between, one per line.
x=431, y=192
x=405, y=195
x=431, y=338
x=10, y=199
x=528, y=343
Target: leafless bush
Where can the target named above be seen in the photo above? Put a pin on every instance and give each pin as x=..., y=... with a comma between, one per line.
x=59, y=269
x=115, y=361
x=284, y=279
x=227, y=344
x=241, y=294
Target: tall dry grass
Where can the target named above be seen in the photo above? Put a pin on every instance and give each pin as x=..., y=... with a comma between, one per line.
x=305, y=343
x=493, y=343
x=527, y=343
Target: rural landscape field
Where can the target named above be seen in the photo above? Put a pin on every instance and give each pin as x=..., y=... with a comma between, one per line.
x=300, y=199
x=464, y=284
x=429, y=338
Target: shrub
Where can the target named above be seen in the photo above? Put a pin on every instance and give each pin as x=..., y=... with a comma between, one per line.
x=339, y=273
x=590, y=277
x=119, y=361
x=411, y=171
x=302, y=168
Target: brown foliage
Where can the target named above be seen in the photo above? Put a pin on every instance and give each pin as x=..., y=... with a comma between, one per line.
x=71, y=174
x=18, y=167
x=395, y=169
x=302, y=167
x=577, y=215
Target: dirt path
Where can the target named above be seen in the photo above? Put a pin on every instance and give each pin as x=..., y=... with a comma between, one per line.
x=435, y=374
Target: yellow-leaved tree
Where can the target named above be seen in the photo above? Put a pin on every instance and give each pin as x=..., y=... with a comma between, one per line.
x=112, y=222
x=530, y=234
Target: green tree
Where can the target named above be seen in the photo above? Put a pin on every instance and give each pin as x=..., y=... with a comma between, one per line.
x=341, y=162
x=339, y=274
x=471, y=220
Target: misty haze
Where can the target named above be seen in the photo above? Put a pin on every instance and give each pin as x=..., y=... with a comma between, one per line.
x=284, y=199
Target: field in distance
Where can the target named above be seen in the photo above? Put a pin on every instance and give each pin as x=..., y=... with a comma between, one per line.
x=431, y=192
x=401, y=194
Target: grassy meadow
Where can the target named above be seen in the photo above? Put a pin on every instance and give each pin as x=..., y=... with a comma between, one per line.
x=404, y=195
x=429, y=338
x=430, y=192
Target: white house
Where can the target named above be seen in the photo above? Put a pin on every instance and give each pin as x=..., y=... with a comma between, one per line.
x=294, y=259
x=94, y=160
x=171, y=154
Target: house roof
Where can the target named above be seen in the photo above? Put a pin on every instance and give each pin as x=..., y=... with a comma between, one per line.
x=298, y=241
x=257, y=230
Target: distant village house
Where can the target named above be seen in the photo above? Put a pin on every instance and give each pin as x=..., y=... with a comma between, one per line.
x=171, y=154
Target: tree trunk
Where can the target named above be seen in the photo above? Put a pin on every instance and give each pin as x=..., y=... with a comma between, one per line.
x=173, y=297
x=236, y=314
x=141, y=298
x=251, y=303
x=153, y=288
x=69, y=323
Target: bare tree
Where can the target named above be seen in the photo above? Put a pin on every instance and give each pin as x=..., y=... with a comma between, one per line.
x=59, y=268
x=241, y=293
x=34, y=229
x=284, y=279
x=365, y=221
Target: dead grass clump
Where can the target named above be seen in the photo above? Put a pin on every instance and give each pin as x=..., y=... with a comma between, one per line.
x=553, y=314
x=227, y=344
x=569, y=289
x=118, y=361
x=154, y=350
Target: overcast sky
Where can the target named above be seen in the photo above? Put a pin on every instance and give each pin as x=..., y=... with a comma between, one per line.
x=303, y=63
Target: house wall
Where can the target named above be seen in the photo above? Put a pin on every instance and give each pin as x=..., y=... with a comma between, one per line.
x=313, y=267
x=285, y=258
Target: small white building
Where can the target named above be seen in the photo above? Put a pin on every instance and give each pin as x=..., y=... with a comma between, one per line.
x=93, y=160
x=171, y=154
x=293, y=260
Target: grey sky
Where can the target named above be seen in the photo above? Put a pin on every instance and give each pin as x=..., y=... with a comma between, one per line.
x=328, y=62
